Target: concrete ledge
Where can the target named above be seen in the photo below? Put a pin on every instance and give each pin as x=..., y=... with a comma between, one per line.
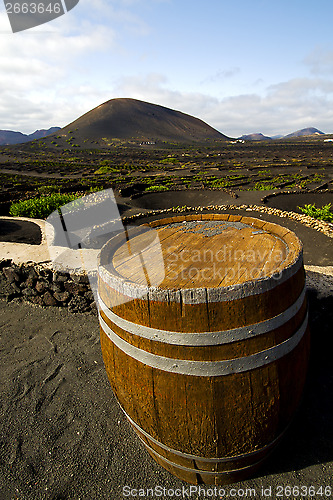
x=22, y=252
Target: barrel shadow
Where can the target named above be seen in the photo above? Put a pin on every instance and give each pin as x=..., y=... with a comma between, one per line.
x=309, y=438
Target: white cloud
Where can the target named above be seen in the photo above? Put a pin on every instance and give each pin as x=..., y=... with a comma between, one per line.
x=222, y=75
x=38, y=66
x=53, y=73
x=284, y=107
x=320, y=61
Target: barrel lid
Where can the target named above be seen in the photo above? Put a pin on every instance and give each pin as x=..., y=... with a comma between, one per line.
x=193, y=252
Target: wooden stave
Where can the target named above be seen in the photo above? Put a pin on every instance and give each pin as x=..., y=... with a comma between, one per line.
x=290, y=396
x=212, y=315
x=285, y=394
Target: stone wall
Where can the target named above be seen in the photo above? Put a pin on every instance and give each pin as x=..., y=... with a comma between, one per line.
x=43, y=286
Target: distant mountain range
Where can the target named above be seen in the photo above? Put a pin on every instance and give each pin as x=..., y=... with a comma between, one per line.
x=9, y=137
x=304, y=132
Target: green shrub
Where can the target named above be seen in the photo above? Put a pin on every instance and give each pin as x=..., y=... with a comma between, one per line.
x=95, y=189
x=167, y=161
x=261, y=186
x=218, y=183
x=43, y=190
x=324, y=213
x=157, y=188
x=264, y=172
x=42, y=207
x=105, y=169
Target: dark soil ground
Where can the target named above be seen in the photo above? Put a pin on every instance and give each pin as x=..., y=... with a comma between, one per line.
x=288, y=202
x=35, y=169
x=293, y=201
x=20, y=232
x=156, y=201
x=63, y=436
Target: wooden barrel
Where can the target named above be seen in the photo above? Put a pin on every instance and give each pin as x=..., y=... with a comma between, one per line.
x=208, y=366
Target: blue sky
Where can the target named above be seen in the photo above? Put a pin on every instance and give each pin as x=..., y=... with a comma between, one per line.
x=243, y=67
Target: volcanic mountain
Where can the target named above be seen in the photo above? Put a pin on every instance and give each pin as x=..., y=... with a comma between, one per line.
x=131, y=119
x=256, y=137
x=304, y=132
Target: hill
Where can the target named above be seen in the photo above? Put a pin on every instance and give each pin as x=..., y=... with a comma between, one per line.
x=9, y=137
x=134, y=120
x=304, y=132
x=39, y=134
x=255, y=137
